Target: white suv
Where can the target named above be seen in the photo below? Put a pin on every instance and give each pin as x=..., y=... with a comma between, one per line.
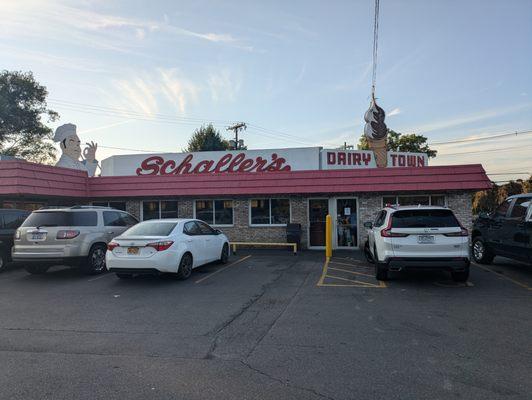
x=417, y=237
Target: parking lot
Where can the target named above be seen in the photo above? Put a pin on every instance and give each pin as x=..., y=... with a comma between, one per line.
x=268, y=325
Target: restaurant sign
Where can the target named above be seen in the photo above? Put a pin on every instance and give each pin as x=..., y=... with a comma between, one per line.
x=207, y=162
x=211, y=162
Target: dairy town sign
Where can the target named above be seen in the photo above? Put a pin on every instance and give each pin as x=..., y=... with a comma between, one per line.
x=292, y=159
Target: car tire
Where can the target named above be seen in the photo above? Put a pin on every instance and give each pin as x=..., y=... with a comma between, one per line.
x=95, y=263
x=460, y=276
x=367, y=253
x=224, y=257
x=3, y=260
x=121, y=275
x=381, y=269
x=37, y=269
x=481, y=254
x=381, y=272
x=185, y=267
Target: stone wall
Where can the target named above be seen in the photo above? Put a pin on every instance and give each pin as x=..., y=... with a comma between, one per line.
x=461, y=204
x=368, y=206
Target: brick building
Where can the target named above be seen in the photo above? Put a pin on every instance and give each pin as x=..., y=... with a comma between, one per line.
x=250, y=205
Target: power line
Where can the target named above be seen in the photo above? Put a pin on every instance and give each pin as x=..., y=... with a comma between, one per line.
x=136, y=113
x=510, y=173
x=481, y=151
x=483, y=138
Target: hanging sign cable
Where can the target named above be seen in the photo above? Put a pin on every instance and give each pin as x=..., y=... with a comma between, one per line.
x=375, y=129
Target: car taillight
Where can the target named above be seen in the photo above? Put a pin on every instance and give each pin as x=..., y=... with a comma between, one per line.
x=463, y=232
x=161, y=246
x=112, y=245
x=68, y=234
x=387, y=232
x=17, y=234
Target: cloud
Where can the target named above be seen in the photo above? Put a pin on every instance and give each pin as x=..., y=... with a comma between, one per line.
x=177, y=90
x=146, y=92
x=223, y=85
x=57, y=21
x=137, y=94
x=363, y=77
x=395, y=111
x=466, y=119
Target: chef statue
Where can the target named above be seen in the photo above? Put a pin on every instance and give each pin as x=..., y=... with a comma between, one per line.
x=70, y=145
x=376, y=132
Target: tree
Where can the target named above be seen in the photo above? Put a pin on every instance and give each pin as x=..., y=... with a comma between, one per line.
x=22, y=105
x=206, y=138
x=402, y=142
x=488, y=200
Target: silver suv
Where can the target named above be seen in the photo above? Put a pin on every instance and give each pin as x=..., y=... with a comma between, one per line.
x=75, y=236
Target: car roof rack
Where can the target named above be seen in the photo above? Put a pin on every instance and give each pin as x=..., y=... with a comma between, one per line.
x=89, y=208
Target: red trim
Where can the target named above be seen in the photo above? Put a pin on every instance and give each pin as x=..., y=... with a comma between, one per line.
x=23, y=178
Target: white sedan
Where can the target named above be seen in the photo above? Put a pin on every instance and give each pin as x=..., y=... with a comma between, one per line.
x=166, y=245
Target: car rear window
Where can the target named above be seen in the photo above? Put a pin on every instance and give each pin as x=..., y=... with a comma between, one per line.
x=60, y=218
x=424, y=219
x=151, y=229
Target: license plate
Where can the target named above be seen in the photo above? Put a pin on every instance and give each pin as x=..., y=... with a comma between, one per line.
x=38, y=236
x=133, y=251
x=425, y=239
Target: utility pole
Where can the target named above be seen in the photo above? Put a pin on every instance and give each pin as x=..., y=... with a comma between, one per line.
x=237, y=144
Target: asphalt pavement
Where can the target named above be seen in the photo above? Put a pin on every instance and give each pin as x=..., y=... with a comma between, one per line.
x=269, y=325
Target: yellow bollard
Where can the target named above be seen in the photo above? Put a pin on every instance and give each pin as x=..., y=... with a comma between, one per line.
x=328, y=236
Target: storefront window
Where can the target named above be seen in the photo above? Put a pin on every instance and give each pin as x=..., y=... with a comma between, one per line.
x=215, y=212
x=21, y=205
x=269, y=211
x=280, y=211
x=119, y=205
x=168, y=209
x=424, y=200
x=223, y=212
x=159, y=209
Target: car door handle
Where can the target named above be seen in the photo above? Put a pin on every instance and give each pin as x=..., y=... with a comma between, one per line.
x=110, y=232
x=189, y=240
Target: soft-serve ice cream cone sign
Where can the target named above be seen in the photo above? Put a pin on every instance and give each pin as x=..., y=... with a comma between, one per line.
x=376, y=132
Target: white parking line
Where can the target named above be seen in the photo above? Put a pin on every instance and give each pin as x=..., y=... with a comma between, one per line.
x=221, y=269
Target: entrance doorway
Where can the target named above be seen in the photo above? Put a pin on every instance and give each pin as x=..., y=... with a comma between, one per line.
x=344, y=212
x=346, y=226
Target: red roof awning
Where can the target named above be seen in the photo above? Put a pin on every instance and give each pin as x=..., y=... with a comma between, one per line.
x=19, y=177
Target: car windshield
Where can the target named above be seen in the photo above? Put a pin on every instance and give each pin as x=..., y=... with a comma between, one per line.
x=151, y=229
x=61, y=218
x=424, y=219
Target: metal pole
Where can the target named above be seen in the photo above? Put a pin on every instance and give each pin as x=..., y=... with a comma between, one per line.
x=328, y=236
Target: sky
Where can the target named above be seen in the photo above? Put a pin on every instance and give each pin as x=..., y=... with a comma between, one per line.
x=143, y=75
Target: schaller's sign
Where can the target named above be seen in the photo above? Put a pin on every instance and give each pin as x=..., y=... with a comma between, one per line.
x=211, y=162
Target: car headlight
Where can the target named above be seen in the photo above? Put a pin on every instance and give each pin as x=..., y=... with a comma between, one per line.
x=17, y=234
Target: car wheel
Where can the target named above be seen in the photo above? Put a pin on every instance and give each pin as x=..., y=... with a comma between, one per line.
x=381, y=272
x=185, y=267
x=3, y=261
x=124, y=276
x=367, y=253
x=481, y=254
x=37, y=269
x=224, y=257
x=460, y=276
x=381, y=269
x=95, y=263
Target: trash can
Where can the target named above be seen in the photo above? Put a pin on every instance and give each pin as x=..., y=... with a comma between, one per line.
x=293, y=234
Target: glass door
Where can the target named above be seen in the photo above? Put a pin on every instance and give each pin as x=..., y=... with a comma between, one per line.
x=317, y=212
x=346, y=224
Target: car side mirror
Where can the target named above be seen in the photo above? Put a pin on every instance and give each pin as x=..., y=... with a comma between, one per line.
x=217, y=232
x=368, y=225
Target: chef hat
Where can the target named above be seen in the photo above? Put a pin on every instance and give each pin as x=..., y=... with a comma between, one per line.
x=64, y=131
